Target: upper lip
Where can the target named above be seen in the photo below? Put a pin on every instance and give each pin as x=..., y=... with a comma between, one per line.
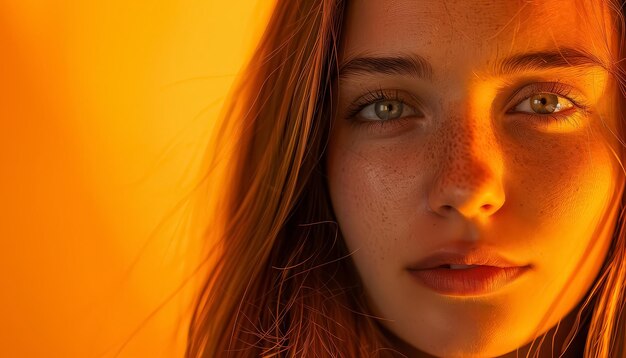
x=474, y=256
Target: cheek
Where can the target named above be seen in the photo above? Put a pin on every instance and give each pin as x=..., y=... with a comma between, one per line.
x=543, y=187
x=373, y=192
x=559, y=186
x=562, y=193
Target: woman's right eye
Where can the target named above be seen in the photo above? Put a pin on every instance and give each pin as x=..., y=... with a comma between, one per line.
x=386, y=110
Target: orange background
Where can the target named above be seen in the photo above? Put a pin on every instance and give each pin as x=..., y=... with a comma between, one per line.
x=105, y=109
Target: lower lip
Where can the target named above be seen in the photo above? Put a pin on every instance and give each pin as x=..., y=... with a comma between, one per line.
x=473, y=281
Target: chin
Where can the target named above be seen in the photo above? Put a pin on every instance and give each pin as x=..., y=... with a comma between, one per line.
x=468, y=352
x=475, y=348
x=464, y=344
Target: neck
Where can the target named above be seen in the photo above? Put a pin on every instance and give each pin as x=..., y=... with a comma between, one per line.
x=551, y=347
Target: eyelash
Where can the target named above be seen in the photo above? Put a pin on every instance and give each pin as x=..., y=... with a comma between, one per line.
x=372, y=97
x=557, y=88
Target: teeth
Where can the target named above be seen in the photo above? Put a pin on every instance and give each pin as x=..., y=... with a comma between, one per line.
x=459, y=267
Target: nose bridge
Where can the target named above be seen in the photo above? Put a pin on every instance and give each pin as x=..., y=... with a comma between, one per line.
x=468, y=176
x=469, y=148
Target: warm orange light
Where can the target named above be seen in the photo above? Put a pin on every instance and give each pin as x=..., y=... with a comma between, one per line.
x=105, y=109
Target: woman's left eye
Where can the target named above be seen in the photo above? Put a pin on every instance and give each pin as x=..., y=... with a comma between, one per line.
x=386, y=110
x=543, y=103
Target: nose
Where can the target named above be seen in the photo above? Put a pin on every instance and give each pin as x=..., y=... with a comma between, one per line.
x=468, y=180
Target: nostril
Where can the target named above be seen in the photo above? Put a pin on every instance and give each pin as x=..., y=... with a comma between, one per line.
x=446, y=208
x=468, y=208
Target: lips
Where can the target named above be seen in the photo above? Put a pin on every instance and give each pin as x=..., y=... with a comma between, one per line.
x=478, y=256
x=475, y=271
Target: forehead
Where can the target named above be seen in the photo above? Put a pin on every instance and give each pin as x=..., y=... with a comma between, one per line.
x=468, y=32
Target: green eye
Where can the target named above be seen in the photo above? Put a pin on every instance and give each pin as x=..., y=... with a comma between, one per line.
x=386, y=110
x=543, y=103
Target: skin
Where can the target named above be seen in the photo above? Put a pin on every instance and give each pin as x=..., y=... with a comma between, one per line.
x=462, y=169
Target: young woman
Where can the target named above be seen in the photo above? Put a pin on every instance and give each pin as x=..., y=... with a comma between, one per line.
x=420, y=178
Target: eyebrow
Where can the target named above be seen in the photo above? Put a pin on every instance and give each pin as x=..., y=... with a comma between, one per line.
x=417, y=66
x=412, y=64
x=544, y=60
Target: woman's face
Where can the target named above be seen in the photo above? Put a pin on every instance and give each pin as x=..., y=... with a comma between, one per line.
x=463, y=131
